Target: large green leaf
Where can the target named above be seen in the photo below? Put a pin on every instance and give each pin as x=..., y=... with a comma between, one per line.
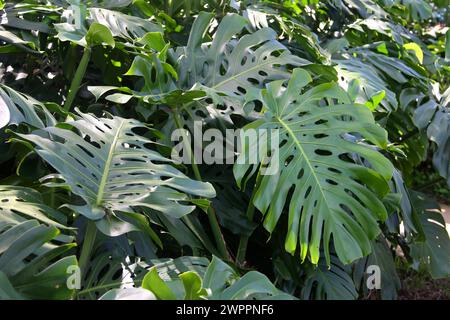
x=333, y=199
x=113, y=170
x=94, y=26
x=29, y=248
x=232, y=65
x=364, y=8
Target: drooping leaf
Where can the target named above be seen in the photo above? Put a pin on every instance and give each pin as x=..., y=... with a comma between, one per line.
x=435, y=119
x=418, y=9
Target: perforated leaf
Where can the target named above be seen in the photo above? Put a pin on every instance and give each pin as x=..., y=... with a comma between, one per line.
x=123, y=25
x=19, y=204
x=113, y=169
x=17, y=108
x=329, y=197
x=233, y=65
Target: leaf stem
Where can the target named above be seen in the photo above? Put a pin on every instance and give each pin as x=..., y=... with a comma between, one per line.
x=243, y=242
x=88, y=244
x=78, y=77
x=215, y=227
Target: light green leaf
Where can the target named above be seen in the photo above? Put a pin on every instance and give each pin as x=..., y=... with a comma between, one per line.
x=99, y=34
x=416, y=49
x=375, y=100
x=153, y=40
x=153, y=282
x=192, y=284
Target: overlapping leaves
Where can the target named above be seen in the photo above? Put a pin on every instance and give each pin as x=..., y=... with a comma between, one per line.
x=33, y=252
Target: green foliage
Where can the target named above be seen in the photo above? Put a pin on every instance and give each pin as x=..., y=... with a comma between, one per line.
x=91, y=92
x=219, y=282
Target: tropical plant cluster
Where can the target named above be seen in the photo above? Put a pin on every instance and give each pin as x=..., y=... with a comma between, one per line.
x=92, y=205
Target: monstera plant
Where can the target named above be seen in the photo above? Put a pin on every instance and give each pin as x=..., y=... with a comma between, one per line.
x=93, y=204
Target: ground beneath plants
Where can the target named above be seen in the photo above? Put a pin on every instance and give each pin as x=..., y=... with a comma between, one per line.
x=417, y=286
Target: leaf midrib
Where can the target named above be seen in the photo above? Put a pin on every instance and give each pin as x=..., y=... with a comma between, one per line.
x=302, y=151
x=107, y=167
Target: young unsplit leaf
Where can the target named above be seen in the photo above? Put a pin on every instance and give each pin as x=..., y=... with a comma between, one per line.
x=332, y=198
x=99, y=34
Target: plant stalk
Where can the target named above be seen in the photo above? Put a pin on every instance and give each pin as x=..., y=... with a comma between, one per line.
x=243, y=242
x=214, y=224
x=79, y=75
x=88, y=245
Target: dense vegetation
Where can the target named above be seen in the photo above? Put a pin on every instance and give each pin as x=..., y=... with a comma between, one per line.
x=91, y=92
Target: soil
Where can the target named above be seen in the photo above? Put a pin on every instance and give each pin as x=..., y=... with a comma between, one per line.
x=416, y=286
